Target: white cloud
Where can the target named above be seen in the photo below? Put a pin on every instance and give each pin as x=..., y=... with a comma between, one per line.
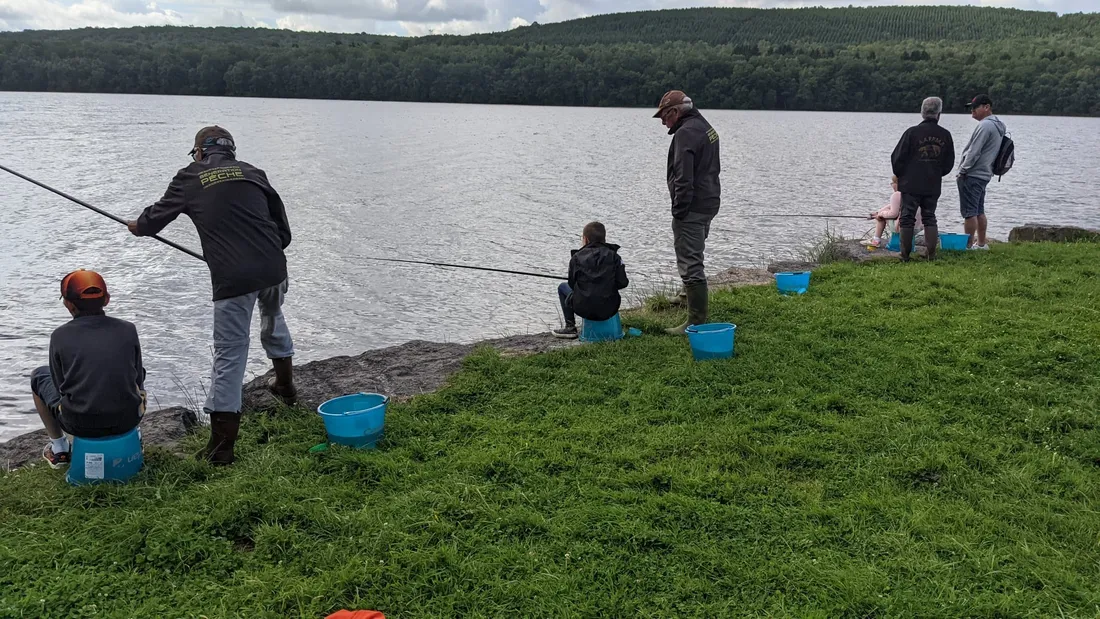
x=296, y=22
x=414, y=17
x=55, y=15
x=452, y=27
x=420, y=11
x=233, y=17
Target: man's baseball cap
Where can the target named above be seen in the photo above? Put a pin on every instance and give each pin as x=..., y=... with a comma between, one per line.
x=671, y=98
x=979, y=101
x=211, y=136
x=82, y=285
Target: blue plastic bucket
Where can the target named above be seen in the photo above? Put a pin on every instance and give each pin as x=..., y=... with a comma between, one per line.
x=601, y=330
x=711, y=341
x=954, y=242
x=109, y=459
x=895, y=243
x=355, y=420
x=793, y=283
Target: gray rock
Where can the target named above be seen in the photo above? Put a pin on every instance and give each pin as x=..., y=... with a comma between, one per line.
x=1056, y=234
x=740, y=276
x=791, y=266
x=400, y=372
x=163, y=428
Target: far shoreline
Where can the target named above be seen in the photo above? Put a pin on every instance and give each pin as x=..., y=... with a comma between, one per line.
x=908, y=113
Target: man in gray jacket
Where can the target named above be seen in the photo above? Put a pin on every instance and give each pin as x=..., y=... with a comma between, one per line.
x=976, y=168
x=693, y=169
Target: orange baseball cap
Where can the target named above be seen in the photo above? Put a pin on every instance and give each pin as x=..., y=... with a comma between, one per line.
x=83, y=285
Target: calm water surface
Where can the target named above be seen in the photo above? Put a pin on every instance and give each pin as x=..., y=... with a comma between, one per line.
x=509, y=187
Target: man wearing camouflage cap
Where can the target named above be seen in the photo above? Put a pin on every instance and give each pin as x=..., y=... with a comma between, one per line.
x=693, y=169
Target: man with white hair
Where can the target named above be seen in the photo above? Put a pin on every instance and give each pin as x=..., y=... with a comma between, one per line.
x=693, y=169
x=923, y=156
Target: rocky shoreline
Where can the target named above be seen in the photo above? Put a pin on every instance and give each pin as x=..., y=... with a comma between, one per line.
x=419, y=367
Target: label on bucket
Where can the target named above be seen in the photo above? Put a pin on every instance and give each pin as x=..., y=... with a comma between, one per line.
x=93, y=466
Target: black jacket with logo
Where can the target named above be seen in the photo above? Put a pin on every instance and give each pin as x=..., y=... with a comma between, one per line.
x=923, y=156
x=694, y=166
x=596, y=275
x=240, y=219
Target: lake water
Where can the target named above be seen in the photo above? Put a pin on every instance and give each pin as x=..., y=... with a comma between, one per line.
x=506, y=187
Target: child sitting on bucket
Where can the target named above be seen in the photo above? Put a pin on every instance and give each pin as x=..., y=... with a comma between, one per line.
x=94, y=386
x=889, y=212
x=596, y=275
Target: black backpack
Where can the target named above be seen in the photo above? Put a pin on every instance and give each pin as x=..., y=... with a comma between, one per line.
x=1006, y=156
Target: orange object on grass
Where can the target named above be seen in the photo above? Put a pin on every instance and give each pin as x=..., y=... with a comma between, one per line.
x=356, y=614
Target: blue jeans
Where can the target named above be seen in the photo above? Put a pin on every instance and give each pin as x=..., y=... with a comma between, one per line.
x=232, y=321
x=565, y=294
x=972, y=196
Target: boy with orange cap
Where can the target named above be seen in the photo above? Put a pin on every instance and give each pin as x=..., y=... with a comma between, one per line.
x=94, y=385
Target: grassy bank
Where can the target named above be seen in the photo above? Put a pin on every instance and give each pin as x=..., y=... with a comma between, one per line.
x=903, y=441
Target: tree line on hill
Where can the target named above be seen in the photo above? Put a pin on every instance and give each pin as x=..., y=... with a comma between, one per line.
x=1039, y=64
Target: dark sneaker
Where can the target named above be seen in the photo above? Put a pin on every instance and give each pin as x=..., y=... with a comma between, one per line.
x=56, y=460
x=568, y=332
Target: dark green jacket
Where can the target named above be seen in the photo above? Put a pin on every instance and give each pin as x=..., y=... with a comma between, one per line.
x=694, y=166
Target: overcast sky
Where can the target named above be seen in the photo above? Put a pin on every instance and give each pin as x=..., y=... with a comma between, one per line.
x=403, y=17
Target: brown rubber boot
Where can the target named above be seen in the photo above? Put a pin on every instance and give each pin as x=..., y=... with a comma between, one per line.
x=224, y=428
x=283, y=383
x=931, y=241
x=906, y=243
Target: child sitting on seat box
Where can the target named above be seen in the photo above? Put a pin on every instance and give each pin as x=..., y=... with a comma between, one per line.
x=887, y=213
x=596, y=275
x=94, y=386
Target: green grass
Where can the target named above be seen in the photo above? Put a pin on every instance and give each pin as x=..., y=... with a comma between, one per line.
x=902, y=441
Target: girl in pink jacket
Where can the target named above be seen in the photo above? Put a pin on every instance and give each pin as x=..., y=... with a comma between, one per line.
x=888, y=212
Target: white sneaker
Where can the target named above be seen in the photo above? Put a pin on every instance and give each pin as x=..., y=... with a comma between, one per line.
x=979, y=248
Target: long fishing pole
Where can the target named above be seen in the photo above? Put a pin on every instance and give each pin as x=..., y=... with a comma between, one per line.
x=466, y=266
x=817, y=216
x=100, y=211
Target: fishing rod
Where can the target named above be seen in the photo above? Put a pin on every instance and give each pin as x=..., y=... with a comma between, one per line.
x=100, y=211
x=200, y=257
x=817, y=216
x=466, y=266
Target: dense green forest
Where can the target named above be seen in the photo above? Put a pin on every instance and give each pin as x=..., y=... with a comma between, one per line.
x=859, y=59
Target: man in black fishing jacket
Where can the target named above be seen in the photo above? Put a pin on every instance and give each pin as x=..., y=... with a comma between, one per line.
x=693, y=169
x=243, y=229
x=923, y=156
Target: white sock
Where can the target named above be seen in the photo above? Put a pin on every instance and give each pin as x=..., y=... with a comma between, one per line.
x=59, y=445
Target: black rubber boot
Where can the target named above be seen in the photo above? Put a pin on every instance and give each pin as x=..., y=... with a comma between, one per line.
x=224, y=428
x=283, y=383
x=931, y=241
x=698, y=302
x=906, y=243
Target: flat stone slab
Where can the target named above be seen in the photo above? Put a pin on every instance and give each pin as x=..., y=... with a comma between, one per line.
x=401, y=372
x=1054, y=234
x=162, y=428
